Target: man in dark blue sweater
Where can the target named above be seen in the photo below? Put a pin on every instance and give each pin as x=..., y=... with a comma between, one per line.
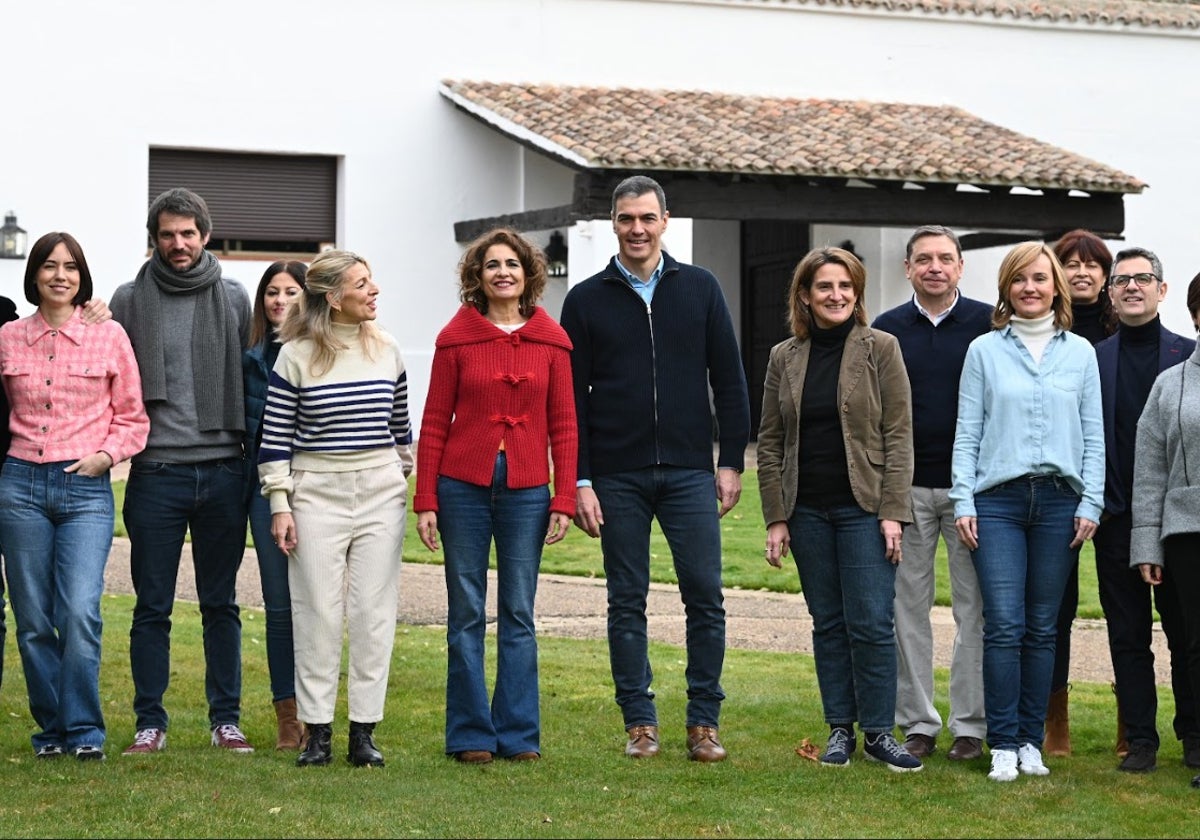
x=650, y=337
x=935, y=329
x=1129, y=363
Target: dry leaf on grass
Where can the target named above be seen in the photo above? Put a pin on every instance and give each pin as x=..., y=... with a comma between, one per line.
x=809, y=750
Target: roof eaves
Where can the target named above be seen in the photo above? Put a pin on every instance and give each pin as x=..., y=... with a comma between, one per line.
x=512, y=128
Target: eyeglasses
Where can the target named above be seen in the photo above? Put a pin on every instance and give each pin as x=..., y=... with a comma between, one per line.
x=1123, y=280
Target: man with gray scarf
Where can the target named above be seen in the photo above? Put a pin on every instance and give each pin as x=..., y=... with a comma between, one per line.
x=188, y=326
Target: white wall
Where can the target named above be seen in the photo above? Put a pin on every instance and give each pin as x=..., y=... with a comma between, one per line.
x=359, y=79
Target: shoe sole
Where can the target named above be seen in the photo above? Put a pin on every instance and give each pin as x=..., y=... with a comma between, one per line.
x=318, y=763
x=845, y=763
x=1004, y=778
x=893, y=767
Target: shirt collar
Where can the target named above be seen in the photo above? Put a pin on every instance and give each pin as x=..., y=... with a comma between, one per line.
x=630, y=277
x=941, y=316
x=36, y=327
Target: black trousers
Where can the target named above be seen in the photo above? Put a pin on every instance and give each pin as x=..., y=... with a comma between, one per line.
x=1181, y=554
x=1126, y=600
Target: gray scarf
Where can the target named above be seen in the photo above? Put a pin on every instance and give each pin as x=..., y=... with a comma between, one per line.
x=216, y=344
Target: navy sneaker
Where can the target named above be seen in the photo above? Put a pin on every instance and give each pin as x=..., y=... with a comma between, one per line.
x=837, y=750
x=882, y=746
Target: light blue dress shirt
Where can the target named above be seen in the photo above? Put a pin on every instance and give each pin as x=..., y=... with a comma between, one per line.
x=646, y=289
x=1016, y=418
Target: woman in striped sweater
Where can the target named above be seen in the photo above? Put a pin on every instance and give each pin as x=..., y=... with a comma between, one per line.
x=334, y=461
x=501, y=394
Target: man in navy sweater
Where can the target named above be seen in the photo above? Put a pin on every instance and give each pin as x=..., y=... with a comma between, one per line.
x=935, y=329
x=651, y=336
x=1130, y=361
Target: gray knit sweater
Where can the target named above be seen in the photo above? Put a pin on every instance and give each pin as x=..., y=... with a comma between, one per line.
x=1166, y=465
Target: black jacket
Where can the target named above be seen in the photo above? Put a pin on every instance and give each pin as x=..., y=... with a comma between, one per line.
x=642, y=374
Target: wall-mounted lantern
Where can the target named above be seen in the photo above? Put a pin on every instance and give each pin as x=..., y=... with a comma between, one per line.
x=556, y=255
x=12, y=238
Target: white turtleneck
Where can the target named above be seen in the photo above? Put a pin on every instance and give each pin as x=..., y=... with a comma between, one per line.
x=1035, y=334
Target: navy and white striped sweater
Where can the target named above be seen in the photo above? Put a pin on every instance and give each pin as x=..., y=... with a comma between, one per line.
x=354, y=416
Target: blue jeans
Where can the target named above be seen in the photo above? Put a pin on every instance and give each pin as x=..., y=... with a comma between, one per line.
x=57, y=530
x=849, y=586
x=470, y=517
x=277, y=600
x=162, y=503
x=1025, y=527
x=685, y=503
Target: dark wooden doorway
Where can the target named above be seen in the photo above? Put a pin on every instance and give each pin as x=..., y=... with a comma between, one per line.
x=770, y=251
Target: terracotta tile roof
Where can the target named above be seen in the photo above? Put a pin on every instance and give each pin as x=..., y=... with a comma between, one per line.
x=1159, y=14
x=699, y=131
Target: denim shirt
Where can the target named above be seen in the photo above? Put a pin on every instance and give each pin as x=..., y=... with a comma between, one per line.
x=1018, y=418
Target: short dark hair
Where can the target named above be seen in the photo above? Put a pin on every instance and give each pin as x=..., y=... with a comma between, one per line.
x=179, y=201
x=639, y=185
x=932, y=230
x=470, y=269
x=40, y=252
x=1193, y=298
x=1146, y=254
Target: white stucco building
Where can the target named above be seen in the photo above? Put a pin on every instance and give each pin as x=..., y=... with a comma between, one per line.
x=96, y=90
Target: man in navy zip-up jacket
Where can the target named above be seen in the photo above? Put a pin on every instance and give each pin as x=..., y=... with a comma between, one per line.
x=934, y=328
x=651, y=337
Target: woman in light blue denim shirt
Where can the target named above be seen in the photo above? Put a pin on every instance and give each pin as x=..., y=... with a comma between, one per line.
x=1028, y=488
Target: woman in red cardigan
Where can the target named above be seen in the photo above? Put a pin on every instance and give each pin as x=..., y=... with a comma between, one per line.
x=499, y=392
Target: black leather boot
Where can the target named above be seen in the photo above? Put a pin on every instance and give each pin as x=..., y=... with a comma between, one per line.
x=319, y=750
x=363, y=752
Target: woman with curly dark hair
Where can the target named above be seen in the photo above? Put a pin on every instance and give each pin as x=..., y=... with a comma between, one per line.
x=501, y=394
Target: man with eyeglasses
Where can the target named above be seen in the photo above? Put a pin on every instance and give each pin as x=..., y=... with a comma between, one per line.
x=1129, y=362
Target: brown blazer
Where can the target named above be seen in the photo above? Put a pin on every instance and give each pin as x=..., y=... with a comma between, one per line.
x=876, y=407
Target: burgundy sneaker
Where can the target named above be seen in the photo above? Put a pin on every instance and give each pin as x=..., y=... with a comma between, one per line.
x=147, y=741
x=227, y=736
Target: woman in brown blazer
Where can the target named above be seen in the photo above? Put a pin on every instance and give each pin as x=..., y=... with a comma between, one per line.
x=835, y=468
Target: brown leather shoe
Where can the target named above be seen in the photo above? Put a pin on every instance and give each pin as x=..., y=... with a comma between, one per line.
x=703, y=744
x=643, y=741
x=919, y=745
x=965, y=748
x=474, y=757
x=525, y=756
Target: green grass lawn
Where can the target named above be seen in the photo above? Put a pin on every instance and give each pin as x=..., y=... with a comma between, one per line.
x=584, y=786
x=742, y=535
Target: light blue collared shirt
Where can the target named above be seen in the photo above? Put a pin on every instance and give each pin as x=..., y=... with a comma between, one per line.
x=1019, y=418
x=646, y=289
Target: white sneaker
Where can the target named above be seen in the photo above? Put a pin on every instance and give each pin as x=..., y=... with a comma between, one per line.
x=1004, y=766
x=1029, y=758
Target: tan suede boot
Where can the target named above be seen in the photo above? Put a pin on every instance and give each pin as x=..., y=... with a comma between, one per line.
x=292, y=733
x=1122, y=743
x=1058, y=730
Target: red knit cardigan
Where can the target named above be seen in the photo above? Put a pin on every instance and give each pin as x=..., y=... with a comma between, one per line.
x=488, y=386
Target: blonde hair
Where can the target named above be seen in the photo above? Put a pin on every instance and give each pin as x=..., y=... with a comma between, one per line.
x=311, y=317
x=1017, y=260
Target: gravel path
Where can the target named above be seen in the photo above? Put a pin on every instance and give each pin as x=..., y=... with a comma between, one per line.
x=574, y=607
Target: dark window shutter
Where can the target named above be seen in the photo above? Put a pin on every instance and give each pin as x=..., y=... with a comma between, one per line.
x=283, y=198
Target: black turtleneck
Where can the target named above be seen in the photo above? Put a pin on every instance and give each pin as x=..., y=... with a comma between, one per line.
x=824, y=478
x=1137, y=368
x=1086, y=320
